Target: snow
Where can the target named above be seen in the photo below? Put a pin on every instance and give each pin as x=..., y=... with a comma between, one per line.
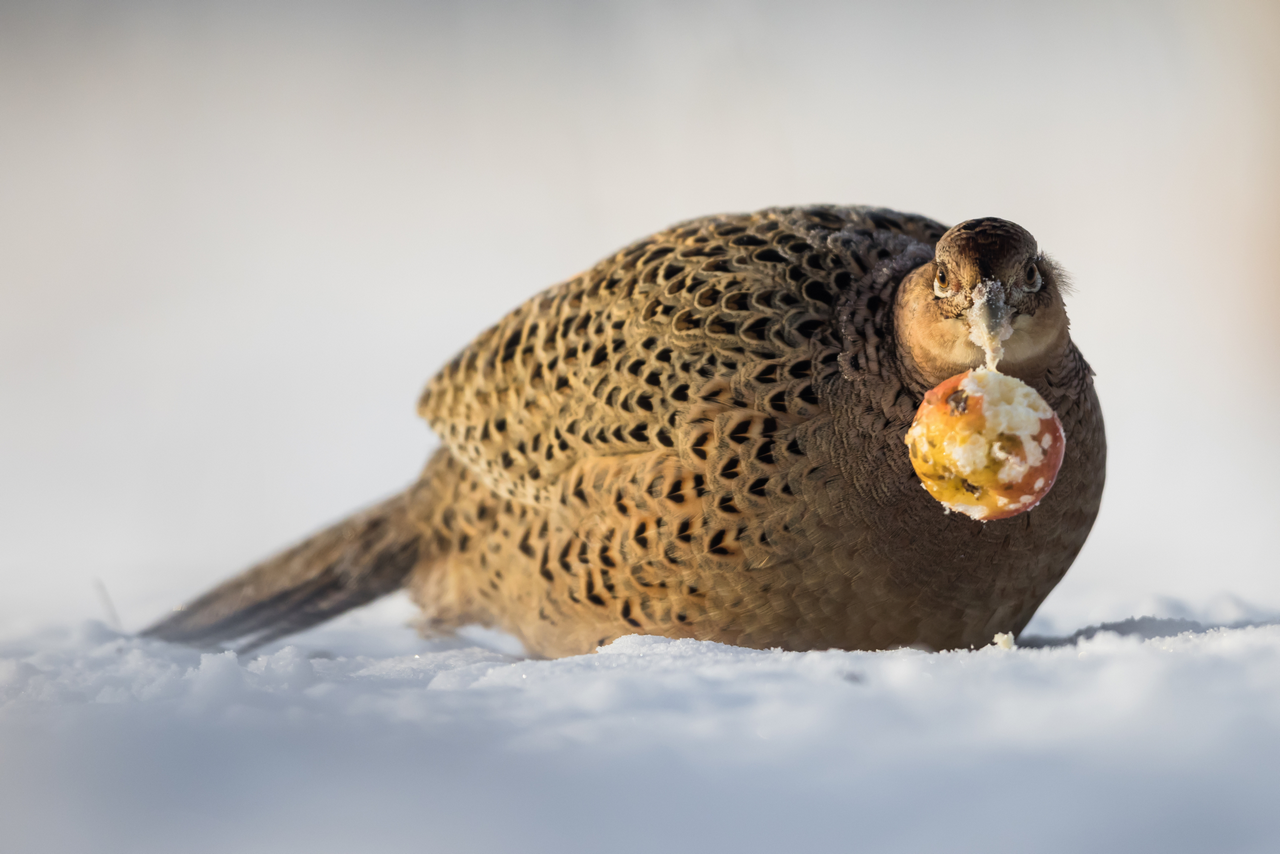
x=1149, y=735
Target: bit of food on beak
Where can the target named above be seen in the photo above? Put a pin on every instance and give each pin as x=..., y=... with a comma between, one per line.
x=986, y=445
x=988, y=318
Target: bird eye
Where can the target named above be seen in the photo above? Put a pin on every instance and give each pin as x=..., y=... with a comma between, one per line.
x=1031, y=282
x=940, y=284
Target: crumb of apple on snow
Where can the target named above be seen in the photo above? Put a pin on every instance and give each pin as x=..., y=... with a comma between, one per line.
x=986, y=445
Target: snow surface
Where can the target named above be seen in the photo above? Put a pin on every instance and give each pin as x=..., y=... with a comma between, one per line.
x=1148, y=735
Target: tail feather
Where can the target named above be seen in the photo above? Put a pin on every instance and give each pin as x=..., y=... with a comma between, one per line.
x=342, y=567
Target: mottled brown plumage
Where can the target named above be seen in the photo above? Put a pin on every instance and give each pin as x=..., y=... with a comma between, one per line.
x=701, y=437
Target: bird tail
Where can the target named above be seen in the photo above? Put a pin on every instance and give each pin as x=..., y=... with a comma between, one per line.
x=342, y=567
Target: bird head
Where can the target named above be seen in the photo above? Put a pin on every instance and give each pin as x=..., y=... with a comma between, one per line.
x=989, y=296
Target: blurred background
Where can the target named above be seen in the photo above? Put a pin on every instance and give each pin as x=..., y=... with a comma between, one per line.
x=237, y=238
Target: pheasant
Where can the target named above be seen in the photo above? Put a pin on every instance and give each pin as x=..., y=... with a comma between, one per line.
x=702, y=437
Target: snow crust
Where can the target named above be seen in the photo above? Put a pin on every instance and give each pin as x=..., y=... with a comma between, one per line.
x=1147, y=735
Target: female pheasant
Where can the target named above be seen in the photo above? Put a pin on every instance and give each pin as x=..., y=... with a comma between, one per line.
x=701, y=437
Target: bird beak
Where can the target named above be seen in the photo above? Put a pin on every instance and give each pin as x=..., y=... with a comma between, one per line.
x=988, y=318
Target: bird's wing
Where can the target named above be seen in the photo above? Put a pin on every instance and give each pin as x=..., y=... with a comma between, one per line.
x=685, y=344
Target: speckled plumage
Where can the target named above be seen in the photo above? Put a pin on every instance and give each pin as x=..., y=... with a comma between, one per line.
x=701, y=436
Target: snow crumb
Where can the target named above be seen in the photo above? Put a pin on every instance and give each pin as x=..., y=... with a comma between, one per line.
x=1159, y=730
